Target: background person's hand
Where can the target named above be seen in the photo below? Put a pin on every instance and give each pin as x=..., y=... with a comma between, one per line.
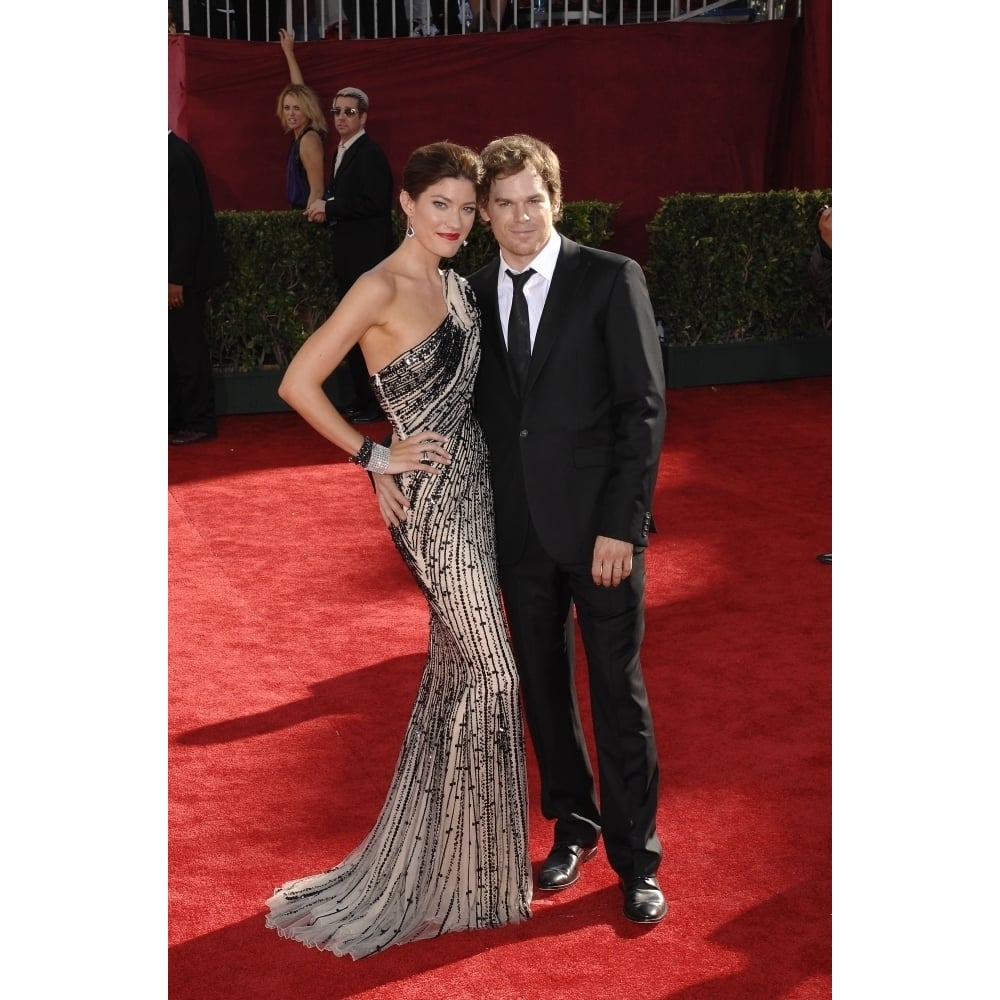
x=175, y=296
x=826, y=226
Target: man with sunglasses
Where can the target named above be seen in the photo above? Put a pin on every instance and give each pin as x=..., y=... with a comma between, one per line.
x=358, y=209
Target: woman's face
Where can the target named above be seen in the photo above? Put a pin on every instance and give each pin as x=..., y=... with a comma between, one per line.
x=295, y=117
x=443, y=215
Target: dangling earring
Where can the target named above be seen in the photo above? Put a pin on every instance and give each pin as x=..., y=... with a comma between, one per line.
x=409, y=229
x=465, y=243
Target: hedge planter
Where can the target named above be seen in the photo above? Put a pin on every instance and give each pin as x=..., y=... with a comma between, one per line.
x=735, y=268
x=257, y=391
x=707, y=364
x=280, y=286
x=751, y=361
x=729, y=278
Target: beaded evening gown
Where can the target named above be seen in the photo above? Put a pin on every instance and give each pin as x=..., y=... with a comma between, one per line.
x=449, y=850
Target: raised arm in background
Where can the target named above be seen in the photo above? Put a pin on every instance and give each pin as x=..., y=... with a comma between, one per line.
x=287, y=39
x=302, y=116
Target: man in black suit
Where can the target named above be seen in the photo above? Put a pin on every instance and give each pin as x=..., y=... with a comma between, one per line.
x=574, y=449
x=194, y=259
x=821, y=267
x=358, y=210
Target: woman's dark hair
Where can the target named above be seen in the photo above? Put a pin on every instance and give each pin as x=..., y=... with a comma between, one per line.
x=430, y=164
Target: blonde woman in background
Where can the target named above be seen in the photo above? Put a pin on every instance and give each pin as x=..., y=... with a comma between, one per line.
x=300, y=114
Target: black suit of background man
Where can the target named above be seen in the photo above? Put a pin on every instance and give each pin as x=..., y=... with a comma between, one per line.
x=195, y=263
x=359, y=213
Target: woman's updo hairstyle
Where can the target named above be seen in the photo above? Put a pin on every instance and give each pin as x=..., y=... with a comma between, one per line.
x=438, y=161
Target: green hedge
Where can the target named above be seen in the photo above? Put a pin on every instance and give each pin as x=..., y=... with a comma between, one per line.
x=721, y=269
x=280, y=284
x=279, y=287
x=735, y=267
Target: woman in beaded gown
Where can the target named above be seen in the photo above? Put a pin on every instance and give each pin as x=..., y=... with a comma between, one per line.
x=449, y=849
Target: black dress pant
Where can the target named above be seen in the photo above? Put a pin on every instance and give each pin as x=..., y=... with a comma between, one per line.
x=190, y=388
x=537, y=593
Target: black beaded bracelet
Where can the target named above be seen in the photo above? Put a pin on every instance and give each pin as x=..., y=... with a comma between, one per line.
x=364, y=453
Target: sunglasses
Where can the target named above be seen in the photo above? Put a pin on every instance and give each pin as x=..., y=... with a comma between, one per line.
x=350, y=112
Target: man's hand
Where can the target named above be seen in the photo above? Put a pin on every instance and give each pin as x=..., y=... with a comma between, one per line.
x=175, y=296
x=612, y=561
x=315, y=211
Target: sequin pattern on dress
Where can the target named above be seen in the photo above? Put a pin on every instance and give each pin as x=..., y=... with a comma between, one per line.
x=449, y=849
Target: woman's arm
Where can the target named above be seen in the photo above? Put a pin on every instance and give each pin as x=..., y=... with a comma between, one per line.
x=287, y=39
x=302, y=385
x=311, y=157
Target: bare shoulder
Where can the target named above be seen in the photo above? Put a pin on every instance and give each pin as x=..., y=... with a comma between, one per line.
x=311, y=138
x=376, y=288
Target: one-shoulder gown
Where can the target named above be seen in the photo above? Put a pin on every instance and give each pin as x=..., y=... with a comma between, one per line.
x=449, y=850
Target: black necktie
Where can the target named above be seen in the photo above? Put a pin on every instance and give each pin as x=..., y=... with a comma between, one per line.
x=519, y=329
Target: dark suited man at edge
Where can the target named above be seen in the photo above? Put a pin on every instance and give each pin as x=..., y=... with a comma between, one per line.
x=821, y=268
x=358, y=210
x=195, y=262
x=574, y=451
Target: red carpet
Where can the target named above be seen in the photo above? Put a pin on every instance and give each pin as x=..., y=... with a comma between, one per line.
x=296, y=642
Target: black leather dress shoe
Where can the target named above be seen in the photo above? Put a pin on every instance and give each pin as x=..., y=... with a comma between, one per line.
x=561, y=868
x=826, y=557
x=189, y=437
x=644, y=901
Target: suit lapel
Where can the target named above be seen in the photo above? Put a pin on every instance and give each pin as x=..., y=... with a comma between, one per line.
x=489, y=307
x=558, y=305
x=350, y=154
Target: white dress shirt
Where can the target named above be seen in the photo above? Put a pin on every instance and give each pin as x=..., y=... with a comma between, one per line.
x=536, y=288
x=343, y=148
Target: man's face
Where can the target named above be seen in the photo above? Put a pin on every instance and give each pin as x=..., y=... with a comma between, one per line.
x=347, y=120
x=520, y=213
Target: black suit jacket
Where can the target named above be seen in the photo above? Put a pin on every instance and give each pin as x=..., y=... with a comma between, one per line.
x=194, y=248
x=359, y=210
x=579, y=450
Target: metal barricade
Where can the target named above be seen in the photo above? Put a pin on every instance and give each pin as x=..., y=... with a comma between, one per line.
x=312, y=20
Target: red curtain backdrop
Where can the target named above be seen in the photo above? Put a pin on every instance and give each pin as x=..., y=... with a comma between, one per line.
x=635, y=112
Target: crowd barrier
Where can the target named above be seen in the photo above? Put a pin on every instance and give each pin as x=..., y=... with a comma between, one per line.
x=312, y=20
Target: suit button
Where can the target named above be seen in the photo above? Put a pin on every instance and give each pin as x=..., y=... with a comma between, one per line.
x=523, y=433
